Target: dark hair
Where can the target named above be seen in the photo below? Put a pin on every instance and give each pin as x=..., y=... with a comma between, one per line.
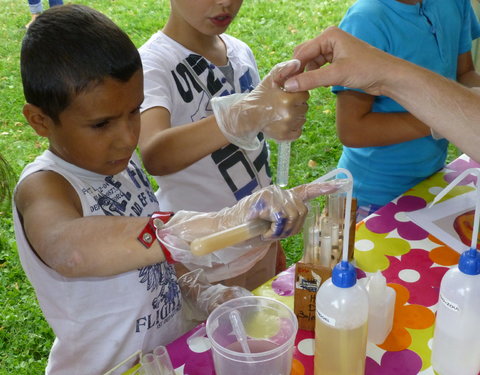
x=69, y=49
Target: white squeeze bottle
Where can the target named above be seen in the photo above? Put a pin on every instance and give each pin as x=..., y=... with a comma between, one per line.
x=341, y=324
x=456, y=339
x=381, y=306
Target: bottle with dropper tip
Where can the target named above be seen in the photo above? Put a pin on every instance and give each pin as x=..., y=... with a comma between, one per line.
x=341, y=324
x=456, y=339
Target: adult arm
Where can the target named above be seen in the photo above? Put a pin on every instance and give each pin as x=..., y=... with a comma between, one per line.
x=337, y=58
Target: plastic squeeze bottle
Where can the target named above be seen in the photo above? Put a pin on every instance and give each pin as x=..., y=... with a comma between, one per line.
x=381, y=306
x=456, y=339
x=341, y=324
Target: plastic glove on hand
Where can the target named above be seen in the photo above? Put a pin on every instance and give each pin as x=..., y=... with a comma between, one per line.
x=203, y=297
x=282, y=208
x=268, y=108
x=284, y=212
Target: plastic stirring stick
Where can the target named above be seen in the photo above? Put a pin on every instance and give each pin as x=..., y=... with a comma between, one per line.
x=283, y=164
x=239, y=331
x=229, y=237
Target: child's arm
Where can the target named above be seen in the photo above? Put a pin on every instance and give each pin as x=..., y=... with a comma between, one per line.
x=446, y=106
x=466, y=74
x=280, y=115
x=74, y=245
x=167, y=149
x=358, y=126
x=93, y=246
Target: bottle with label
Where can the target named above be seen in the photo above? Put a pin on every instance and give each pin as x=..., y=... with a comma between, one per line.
x=381, y=306
x=341, y=324
x=456, y=339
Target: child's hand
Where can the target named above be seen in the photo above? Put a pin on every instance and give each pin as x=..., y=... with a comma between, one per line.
x=284, y=209
x=202, y=297
x=268, y=108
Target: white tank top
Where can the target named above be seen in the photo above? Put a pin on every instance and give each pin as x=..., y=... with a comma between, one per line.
x=100, y=321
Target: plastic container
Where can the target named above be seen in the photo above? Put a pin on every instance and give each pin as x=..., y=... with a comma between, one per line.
x=267, y=326
x=381, y=306
x=341, y=324
x=456, y=339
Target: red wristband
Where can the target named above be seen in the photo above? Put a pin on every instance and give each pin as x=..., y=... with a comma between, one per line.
x=148, y=235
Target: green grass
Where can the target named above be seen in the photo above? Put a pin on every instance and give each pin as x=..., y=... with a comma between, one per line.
x=271, y=27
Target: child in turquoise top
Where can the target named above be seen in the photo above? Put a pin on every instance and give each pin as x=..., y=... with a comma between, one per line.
x=387, y=149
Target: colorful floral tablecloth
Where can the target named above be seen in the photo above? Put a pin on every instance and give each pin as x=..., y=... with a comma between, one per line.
x=413, y=262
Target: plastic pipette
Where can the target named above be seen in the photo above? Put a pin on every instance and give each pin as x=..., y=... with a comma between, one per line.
x=239, y=331
x=283, y=164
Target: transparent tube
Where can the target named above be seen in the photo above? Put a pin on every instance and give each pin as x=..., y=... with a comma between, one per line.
x=149, y=365
x=163, y=360
x=283, y=164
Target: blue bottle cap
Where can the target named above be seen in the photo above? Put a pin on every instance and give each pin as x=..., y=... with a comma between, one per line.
x=470, y=262
x=344, y=275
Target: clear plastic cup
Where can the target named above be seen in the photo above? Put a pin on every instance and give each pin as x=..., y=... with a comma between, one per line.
x=269, y=327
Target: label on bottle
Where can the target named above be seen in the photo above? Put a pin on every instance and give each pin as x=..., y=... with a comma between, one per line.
x=326, y=319
x=449, y=304
x=311, y=284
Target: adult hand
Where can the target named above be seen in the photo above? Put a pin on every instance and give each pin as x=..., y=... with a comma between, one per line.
x=338, y=58
x=268, y=108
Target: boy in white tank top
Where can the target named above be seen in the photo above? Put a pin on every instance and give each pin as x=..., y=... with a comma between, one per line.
x=84, y=211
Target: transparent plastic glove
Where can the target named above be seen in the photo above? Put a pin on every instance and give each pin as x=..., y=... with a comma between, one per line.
x=202, y=298
x=285, y=209
x=268, y=109
x=435, y=135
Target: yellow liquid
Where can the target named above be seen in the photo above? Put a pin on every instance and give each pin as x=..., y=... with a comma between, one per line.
x=339, y=351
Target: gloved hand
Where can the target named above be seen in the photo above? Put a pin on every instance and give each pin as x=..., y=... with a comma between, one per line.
x=202, y=298
x=268, y=109
x=285, y=209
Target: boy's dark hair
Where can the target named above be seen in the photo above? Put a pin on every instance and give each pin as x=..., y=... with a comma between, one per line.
x=71, y=48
